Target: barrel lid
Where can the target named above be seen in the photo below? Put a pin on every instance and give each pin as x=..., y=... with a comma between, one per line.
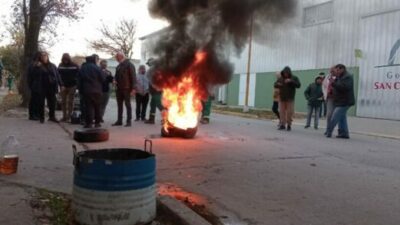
x=116, y=154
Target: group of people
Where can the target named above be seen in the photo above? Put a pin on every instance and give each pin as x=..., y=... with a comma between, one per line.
x=335, y=92
x=94, y=83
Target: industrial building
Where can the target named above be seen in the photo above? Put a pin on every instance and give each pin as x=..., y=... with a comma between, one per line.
x=362, y=34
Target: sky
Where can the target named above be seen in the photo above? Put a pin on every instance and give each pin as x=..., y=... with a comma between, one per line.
x=73, y=36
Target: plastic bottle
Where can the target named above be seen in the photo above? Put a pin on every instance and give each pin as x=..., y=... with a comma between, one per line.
x=9, y=156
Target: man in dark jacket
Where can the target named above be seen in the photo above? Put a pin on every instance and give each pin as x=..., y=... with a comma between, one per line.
x=343, y=99
x=287, y=85
x=314, y=96
x=69, y=75
x=91, y=80
x=125, y=79
x=107, y=87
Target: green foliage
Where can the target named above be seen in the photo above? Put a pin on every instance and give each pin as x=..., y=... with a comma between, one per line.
x=11, y=58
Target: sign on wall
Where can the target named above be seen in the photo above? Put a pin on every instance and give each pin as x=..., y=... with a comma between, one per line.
x=379, y=87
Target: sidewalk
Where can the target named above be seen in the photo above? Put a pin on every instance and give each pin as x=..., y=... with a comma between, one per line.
x=366, y=126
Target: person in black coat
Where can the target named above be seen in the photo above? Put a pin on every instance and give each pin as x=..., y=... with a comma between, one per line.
x=44, y=82
x=91, y=80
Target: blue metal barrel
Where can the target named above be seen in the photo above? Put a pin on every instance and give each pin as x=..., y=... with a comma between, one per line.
x=114, y=187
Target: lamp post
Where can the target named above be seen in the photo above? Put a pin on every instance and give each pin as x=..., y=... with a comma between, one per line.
x=246, y=100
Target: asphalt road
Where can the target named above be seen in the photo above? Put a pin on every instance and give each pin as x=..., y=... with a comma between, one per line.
x=249, y=172
x=265, y=176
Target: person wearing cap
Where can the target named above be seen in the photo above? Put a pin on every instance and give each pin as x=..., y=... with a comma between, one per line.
x=314, y=96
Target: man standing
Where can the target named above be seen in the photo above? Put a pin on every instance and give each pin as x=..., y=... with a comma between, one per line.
x=91, y=81
x=314, y=96
x=155, y=103
x=343, y=99
x=69, y=76
x=142, y=94
x=275, y=103
x=106, y=87
x=287, y=85
x=125, y=79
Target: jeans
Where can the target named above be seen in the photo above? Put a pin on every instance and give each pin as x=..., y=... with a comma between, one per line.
x=311, y=110
x=141, y=106
x=339, y=117
x=50, y=97
x=104, y=101
x=124, y=96
x=329, y=110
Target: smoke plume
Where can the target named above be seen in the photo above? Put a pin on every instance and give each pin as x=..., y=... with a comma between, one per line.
x=215, y=27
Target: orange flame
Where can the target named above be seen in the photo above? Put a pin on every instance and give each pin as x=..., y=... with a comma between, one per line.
x=183, y=100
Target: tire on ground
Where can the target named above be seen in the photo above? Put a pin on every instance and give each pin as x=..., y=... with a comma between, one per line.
x=91, y=135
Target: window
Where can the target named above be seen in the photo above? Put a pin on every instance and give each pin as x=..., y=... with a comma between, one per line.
x=317, y=14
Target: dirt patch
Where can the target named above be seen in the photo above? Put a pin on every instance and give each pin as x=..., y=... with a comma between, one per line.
x=54, y=208
x=10, y=101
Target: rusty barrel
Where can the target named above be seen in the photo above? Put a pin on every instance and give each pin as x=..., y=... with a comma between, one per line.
x=114, y=186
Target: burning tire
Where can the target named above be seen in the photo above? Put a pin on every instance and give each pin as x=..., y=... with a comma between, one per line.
x=91, y=135
x=176, y=132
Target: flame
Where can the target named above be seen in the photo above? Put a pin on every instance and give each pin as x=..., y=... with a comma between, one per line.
x=183, y=100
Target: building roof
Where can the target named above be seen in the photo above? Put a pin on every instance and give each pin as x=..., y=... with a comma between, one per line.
x=156, y=33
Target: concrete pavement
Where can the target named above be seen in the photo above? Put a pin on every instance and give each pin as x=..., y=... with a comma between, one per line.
x=246, y=171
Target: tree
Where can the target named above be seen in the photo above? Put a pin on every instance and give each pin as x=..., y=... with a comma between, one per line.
x=121, y=38
x=36, y=16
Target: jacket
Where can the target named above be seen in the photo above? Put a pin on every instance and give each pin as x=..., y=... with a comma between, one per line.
x=43, y=78
x=142, y=84
x=108, y=80
x=343, y=90
x=69, y=74
x=314, y=94
x=125, y=76
x=287, y=91
x=91, y=78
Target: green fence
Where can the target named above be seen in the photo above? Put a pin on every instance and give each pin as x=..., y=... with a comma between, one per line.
x=265, y=83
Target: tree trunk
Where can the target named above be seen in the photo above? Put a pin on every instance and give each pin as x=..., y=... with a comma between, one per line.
x=32, y=30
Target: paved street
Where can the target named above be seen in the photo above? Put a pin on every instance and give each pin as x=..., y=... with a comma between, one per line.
x=249, y=172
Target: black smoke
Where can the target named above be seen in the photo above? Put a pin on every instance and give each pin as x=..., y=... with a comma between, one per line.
x=216, y=27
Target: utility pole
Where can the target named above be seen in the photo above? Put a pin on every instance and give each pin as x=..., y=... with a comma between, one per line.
x=246, y=100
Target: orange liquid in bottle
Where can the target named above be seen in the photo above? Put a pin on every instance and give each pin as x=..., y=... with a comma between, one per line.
x=9, y=164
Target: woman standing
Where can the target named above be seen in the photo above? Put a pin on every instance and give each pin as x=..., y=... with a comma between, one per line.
x=45, y=83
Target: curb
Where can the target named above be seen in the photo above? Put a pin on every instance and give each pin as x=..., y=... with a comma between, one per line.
x=182, y=215
x=371, y=134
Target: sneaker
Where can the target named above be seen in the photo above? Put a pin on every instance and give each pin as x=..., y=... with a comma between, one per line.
x=136, y=120
x=128, y=124
x=289, y=128
x=281, y=127
x=307, y=126
x=117, y=124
